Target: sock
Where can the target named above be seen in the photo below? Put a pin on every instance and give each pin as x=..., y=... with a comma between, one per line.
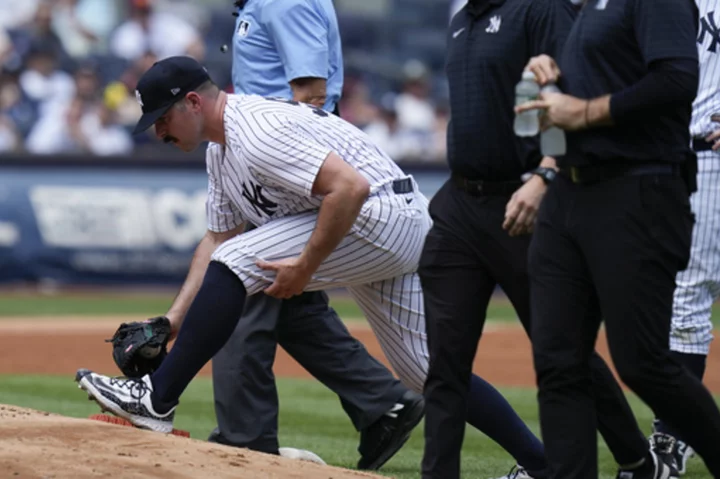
x=695, y=363
x=490, y=412
x=209, y=323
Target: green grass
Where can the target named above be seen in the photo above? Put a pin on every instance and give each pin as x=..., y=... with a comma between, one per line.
x=84, y=304
x=152, y=304
x=311, y=418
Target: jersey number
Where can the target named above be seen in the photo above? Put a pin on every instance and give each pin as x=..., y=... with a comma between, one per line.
x=313, y=108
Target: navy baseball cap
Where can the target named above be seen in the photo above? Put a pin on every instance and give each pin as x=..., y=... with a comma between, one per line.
x=164, y=84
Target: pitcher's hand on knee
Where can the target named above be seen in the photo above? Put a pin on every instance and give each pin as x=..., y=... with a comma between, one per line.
x=292, y=276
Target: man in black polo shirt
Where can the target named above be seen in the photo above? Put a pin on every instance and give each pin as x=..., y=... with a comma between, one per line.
x=615, y=226
x=482, y=217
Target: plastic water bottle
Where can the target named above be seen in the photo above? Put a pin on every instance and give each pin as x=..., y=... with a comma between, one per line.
x=527, y=123
x=552, y=140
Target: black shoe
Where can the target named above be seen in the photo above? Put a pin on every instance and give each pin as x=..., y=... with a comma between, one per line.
x=681, y=452
x=659, y=464
x=663, y=445
x=383, y=438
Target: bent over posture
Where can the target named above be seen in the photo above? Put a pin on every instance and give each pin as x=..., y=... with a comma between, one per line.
x=332, y=211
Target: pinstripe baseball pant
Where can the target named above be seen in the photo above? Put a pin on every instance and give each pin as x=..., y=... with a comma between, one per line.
x=698, y=286
x=376, y=262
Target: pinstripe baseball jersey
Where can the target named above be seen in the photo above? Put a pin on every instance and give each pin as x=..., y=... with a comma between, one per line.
x=707, y=102
x=273, y=151
x=264, y=174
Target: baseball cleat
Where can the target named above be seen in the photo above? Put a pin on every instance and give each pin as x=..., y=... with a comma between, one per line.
x=382, y=439
x=681, y=452
x=661, y=448
x=662, y=465
x=127, y=398
x=517, y=472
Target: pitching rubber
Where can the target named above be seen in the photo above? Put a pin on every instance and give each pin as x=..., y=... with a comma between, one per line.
x=124, y=422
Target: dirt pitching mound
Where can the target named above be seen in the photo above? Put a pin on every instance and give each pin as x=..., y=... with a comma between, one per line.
x=36, y=444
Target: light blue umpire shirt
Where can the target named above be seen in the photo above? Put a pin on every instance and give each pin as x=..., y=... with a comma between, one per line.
x=276, y=41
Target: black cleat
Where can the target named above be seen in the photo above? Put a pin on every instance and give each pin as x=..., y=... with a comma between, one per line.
x=382, y=439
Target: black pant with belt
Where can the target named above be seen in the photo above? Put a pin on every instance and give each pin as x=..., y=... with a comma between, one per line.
x=610, y=250
x=466, y=254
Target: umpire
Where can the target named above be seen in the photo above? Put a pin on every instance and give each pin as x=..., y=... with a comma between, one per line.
x=291, y=49
x=481, y=220
x=615, y=227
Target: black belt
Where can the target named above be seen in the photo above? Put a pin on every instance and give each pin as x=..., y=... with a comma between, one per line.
x=594, y=174
x=485, y=188
x=403, y=186
x=698, y=144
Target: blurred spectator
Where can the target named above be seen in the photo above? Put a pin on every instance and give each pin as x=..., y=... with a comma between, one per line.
x=19, y=111
x=39, y=31
x=42, y=80
x=96, y=131
x=355, y=103
x=398, y=142
x=161, y=33
x=121, y=93
x=16, y=13
x=438, y=144
x=414, y=108
x=6, y=46
x=85, y=25
x=83, y=124
x=48, y=105
x=9, y=137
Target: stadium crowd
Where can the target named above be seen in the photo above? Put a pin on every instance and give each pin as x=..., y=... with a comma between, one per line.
x=69, y=70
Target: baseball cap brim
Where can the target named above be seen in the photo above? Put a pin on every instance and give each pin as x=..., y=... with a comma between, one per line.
x=148, y=119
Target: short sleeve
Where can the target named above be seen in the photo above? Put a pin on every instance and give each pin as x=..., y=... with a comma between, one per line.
x=665, y=29
x=539, y=23
x=222, y=214
x=300, y=32
x=282, y=152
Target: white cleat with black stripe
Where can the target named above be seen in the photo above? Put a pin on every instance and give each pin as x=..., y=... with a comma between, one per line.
x=127, y=398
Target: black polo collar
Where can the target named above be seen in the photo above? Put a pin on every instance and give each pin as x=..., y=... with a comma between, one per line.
x=477, y=7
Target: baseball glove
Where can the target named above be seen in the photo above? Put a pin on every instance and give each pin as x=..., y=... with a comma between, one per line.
x=140, y=347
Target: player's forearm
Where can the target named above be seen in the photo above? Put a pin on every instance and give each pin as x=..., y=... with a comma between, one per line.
x=188, y=291
x=337, y=215
x=310, y=90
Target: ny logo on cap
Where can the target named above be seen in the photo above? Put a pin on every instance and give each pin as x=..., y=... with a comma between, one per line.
x=138, y=98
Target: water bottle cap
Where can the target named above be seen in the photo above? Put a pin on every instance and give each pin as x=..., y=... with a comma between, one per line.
x=528, y=75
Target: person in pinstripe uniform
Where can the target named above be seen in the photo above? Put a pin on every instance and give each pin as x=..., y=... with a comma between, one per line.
x=332, y=210
x=292, y=49
x=698, y=286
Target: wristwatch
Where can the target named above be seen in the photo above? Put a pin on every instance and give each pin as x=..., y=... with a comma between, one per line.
x=547, y=174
